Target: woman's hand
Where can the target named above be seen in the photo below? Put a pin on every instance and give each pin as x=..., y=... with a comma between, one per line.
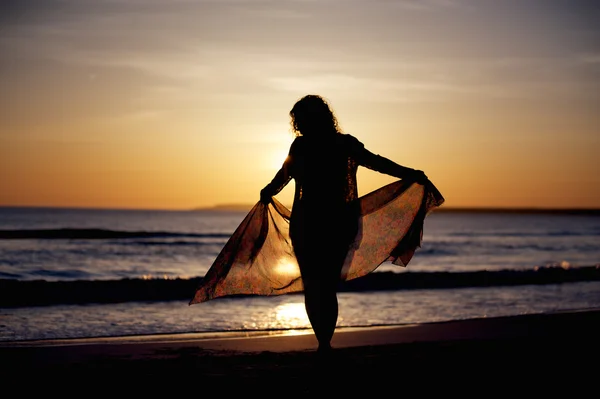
x=265, y=196
x=418, y=176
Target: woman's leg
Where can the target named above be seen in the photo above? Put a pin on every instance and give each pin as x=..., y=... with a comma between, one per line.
x=321, y=255
x=320, y=301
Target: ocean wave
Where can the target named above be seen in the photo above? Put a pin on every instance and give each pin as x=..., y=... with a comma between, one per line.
x=177, y=243
x=71, y=274
x=433, y=251
x=497, y=245
x=91, y=234
x=16, y=293
x=508, y=234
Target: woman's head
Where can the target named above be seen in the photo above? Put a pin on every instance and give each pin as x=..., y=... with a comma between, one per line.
x=312, y=115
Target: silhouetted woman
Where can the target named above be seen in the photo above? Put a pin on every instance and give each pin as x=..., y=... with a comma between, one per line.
x=324, y=219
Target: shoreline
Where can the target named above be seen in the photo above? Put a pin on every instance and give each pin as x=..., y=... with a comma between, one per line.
x=249, y=341
x=524, y=347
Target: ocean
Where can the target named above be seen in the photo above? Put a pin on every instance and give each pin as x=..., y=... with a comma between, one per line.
x=81, y=273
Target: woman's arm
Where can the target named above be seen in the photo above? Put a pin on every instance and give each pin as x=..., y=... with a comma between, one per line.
x=283, y=175
x=281, y=179
x=384, y=165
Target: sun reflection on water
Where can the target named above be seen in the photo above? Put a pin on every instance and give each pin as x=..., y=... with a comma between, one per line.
x=291, y=315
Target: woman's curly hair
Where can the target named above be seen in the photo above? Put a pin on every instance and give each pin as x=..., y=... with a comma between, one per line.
x=312, y=114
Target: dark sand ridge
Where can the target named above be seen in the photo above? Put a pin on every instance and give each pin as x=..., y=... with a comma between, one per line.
x=543, y=353
x=15, y=293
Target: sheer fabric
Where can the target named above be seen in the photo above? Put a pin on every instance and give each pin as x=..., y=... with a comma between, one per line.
x=259, y=258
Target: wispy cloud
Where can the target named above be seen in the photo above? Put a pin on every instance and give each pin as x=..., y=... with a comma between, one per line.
x=589, y=58
x=184, y=44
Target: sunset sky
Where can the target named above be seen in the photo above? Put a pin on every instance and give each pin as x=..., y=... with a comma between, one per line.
x=181, y=104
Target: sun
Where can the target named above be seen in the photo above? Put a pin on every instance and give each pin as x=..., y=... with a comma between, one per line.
x=287, y=268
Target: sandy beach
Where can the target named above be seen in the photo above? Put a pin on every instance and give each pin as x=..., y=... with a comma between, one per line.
x=541, y=352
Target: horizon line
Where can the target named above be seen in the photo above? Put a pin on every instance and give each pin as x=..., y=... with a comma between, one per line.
x=247, y=207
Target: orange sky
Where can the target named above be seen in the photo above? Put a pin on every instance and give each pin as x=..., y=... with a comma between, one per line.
x=183, y=104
